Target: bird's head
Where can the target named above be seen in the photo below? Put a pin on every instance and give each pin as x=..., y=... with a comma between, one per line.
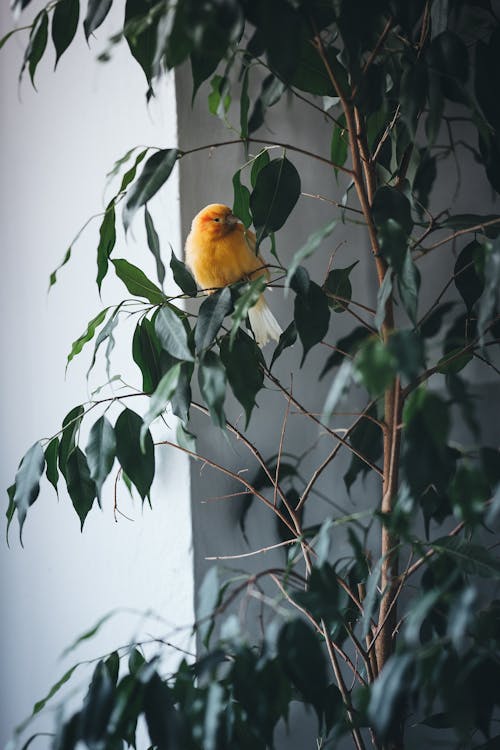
x=215, y=220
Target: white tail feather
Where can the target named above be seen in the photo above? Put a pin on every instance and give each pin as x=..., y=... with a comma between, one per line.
x=264, y=325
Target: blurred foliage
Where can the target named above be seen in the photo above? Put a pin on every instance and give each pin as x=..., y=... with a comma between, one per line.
x=399, y=83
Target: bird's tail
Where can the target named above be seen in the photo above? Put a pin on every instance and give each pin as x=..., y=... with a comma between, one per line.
x=264, y=325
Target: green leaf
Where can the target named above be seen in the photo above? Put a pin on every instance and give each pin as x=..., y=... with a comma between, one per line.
x=219, y=99
x=491, y=294
x=64, y=25
x=97, y=705
x=81, y=487
x=154, y=245
x=302, y=659
x=51, y=454
x=137, y=282
x=313, y=242
x=244, y=107
x=182, y=277
x=276, y=191
x=96, y=13
x=472, y=559
x=212, y=380
x=210, y=318
x=390, y=203
x=366, y=438
x=130, y=173
x=27, y=482
x=146, y=352
x=39, y=705
x=159, y=399
x=159, y=714
x=86, y=336
x=383, y=294
x=37, y=43
x=453, y=361
x=141, y=32
x=287, y=338
x=155, y=173
x=138, y=464
x=101, y=451
x=311, y=311
x=375, y=366
x=431, y=324
x=208, y=600
x=260, y=161
x=107, y=240
x=407, y=349
x=88, y=634
x=245, y=301
x=243, y=362
x=388, y=694
x=468, y=282
x=241, y=203
x=337, y=285
x=409, y=286
x=185, y=438
x=172, y=334
x=348, y=345
x=339, y=386
x=70, y=426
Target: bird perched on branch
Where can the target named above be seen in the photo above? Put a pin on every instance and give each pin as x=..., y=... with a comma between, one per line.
x=219, y=251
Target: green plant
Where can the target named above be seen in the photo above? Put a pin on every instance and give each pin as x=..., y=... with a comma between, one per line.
x=357, y=644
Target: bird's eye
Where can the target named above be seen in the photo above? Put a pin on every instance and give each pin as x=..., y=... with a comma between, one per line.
x=216, y=219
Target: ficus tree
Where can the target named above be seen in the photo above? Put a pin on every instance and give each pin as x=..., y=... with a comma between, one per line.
x=404, y=631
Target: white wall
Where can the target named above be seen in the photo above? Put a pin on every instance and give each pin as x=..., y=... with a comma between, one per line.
x=56, y=147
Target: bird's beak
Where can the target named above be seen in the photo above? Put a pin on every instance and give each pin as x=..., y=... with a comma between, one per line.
x=231, y=219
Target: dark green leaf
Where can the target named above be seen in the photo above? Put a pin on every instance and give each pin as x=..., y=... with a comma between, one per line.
x=409, y=286
x=313, y=242
x=137, y=282
x=37, y=43
x=80, y=342
x=311, y=313
x=181, y=399
x=469, y=493
x=101, y=449
x=375, y=365
x=302, y=659
x=388, y=694
x=208, y=600
x=287, y=338
x=160, y=398
x=454, y=361
x=154, y=174
x=64, y=25
x=142, y=35
x=70, y=427
x=210, y=318
x=39, y=705
x=97, y=11
x=241, y=203
x=472, y=559
x=27, y=482
x=107, y=239
x=260, y=161
x=383, y=294
x=138, y=465
x=390, y=203
x=372, y=596
x=338, y=285
x=159, y=713
x=219, y=99
x=154, y=245
x=491, y=296
x=469, y=283
x=407, y=348
x=172, y=334
x=276, y=191
x=81, y=487
x=146, y=352
x=348, y=345
x=366, y=438
x=212, y=380
x=97, y=705
x=182, y=277
x=130, y=173
x=243, y=362
x=51, y=454
x=244, y=107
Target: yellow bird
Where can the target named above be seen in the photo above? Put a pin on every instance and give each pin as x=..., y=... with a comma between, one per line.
x=219, y=251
